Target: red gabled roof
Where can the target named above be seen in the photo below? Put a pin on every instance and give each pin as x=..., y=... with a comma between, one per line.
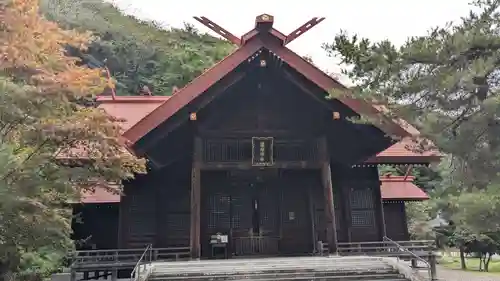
x=131, y=109
x=401, y=188
x=199, y=85
x=393, y=188
x=405, y=151
x=101, y=195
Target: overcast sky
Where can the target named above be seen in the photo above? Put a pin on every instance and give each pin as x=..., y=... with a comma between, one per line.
x=376, y=19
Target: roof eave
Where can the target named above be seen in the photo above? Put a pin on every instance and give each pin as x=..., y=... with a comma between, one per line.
x=421, y=160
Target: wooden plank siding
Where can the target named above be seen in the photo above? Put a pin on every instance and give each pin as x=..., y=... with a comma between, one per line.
x=395, y=220
x=156, y=209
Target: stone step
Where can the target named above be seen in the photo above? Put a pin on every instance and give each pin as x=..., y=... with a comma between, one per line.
x=277, y=269
x=250, y=268
x=270, y=268
x=334, y=276
x=289, y=271
x=273, y=263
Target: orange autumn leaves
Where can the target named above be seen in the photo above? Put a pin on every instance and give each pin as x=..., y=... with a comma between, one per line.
x=33, y=47
x=53, y=114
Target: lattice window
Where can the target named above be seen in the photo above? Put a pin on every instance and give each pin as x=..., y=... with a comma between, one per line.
x=362, y=217
x=362, y=198
x=219, y=211
x=240, y=150
x=235, y=215
x=362, y=207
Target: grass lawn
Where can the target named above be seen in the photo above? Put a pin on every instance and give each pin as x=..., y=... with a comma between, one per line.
x=472, y=264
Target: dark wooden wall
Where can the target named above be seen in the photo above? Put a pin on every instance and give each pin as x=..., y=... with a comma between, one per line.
x=359, y=214
x=95, y=224
x=155, y=209
x=395, y=221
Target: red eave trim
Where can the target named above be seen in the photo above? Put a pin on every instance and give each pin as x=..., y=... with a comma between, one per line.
x=132, y=99
x=192, y=90
x=404, y=159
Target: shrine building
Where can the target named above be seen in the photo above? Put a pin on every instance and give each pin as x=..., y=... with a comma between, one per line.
x=252, y=150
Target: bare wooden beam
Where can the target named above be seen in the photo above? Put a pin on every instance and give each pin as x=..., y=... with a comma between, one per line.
x=219, y=30
x=408, y=172
x=302, y=29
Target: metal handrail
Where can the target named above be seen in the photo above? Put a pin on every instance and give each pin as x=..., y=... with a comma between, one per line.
x=403, y=249
x=136, y=270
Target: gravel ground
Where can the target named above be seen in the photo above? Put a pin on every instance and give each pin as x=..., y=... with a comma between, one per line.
x=446, y=274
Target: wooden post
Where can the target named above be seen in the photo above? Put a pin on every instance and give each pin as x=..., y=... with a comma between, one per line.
x=379, y=205
x=326, y=175
x=432, y=264
x=195, y=200
x=312, y=210
x=120, y=241
x=114, y=274
x=405, y=220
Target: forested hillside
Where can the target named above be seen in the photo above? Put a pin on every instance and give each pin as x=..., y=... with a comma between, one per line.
x=138, y=53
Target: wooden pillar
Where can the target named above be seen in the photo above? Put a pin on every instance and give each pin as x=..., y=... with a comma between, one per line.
x=432, y=264
x=120, y=241
x=196, y=200
x=379, y=205
x=326, y=175
x=404, y=221
x=114, y=274
x=72, y=275
x=312, y=215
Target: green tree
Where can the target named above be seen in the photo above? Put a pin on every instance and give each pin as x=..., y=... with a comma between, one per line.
x=445, y=83
x=51, y=145
x=477, y=224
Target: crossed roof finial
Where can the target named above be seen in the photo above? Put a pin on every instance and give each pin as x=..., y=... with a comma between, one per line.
x=263, y=23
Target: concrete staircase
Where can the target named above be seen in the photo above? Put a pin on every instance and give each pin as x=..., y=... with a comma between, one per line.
x=279, y=269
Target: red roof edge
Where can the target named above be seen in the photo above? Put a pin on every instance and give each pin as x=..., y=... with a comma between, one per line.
x=132, y=99
x=401, y=188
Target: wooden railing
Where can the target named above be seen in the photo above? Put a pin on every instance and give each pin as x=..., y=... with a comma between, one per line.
x=142, y=264
x=430, y=262
x=256, y=245
x=422, y=248
x=123, y=258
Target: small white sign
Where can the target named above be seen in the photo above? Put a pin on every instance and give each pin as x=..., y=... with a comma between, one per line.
x=223, y=239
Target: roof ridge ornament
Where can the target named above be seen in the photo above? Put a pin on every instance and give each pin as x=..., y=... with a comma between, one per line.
x=219, y=30
x=263, y=23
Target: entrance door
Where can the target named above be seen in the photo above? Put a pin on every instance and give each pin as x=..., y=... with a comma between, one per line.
x=264, y=212
x=296, y=218
x=255, y=206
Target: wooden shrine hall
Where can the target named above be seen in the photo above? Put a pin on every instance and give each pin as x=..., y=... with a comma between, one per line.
x=254, y=152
